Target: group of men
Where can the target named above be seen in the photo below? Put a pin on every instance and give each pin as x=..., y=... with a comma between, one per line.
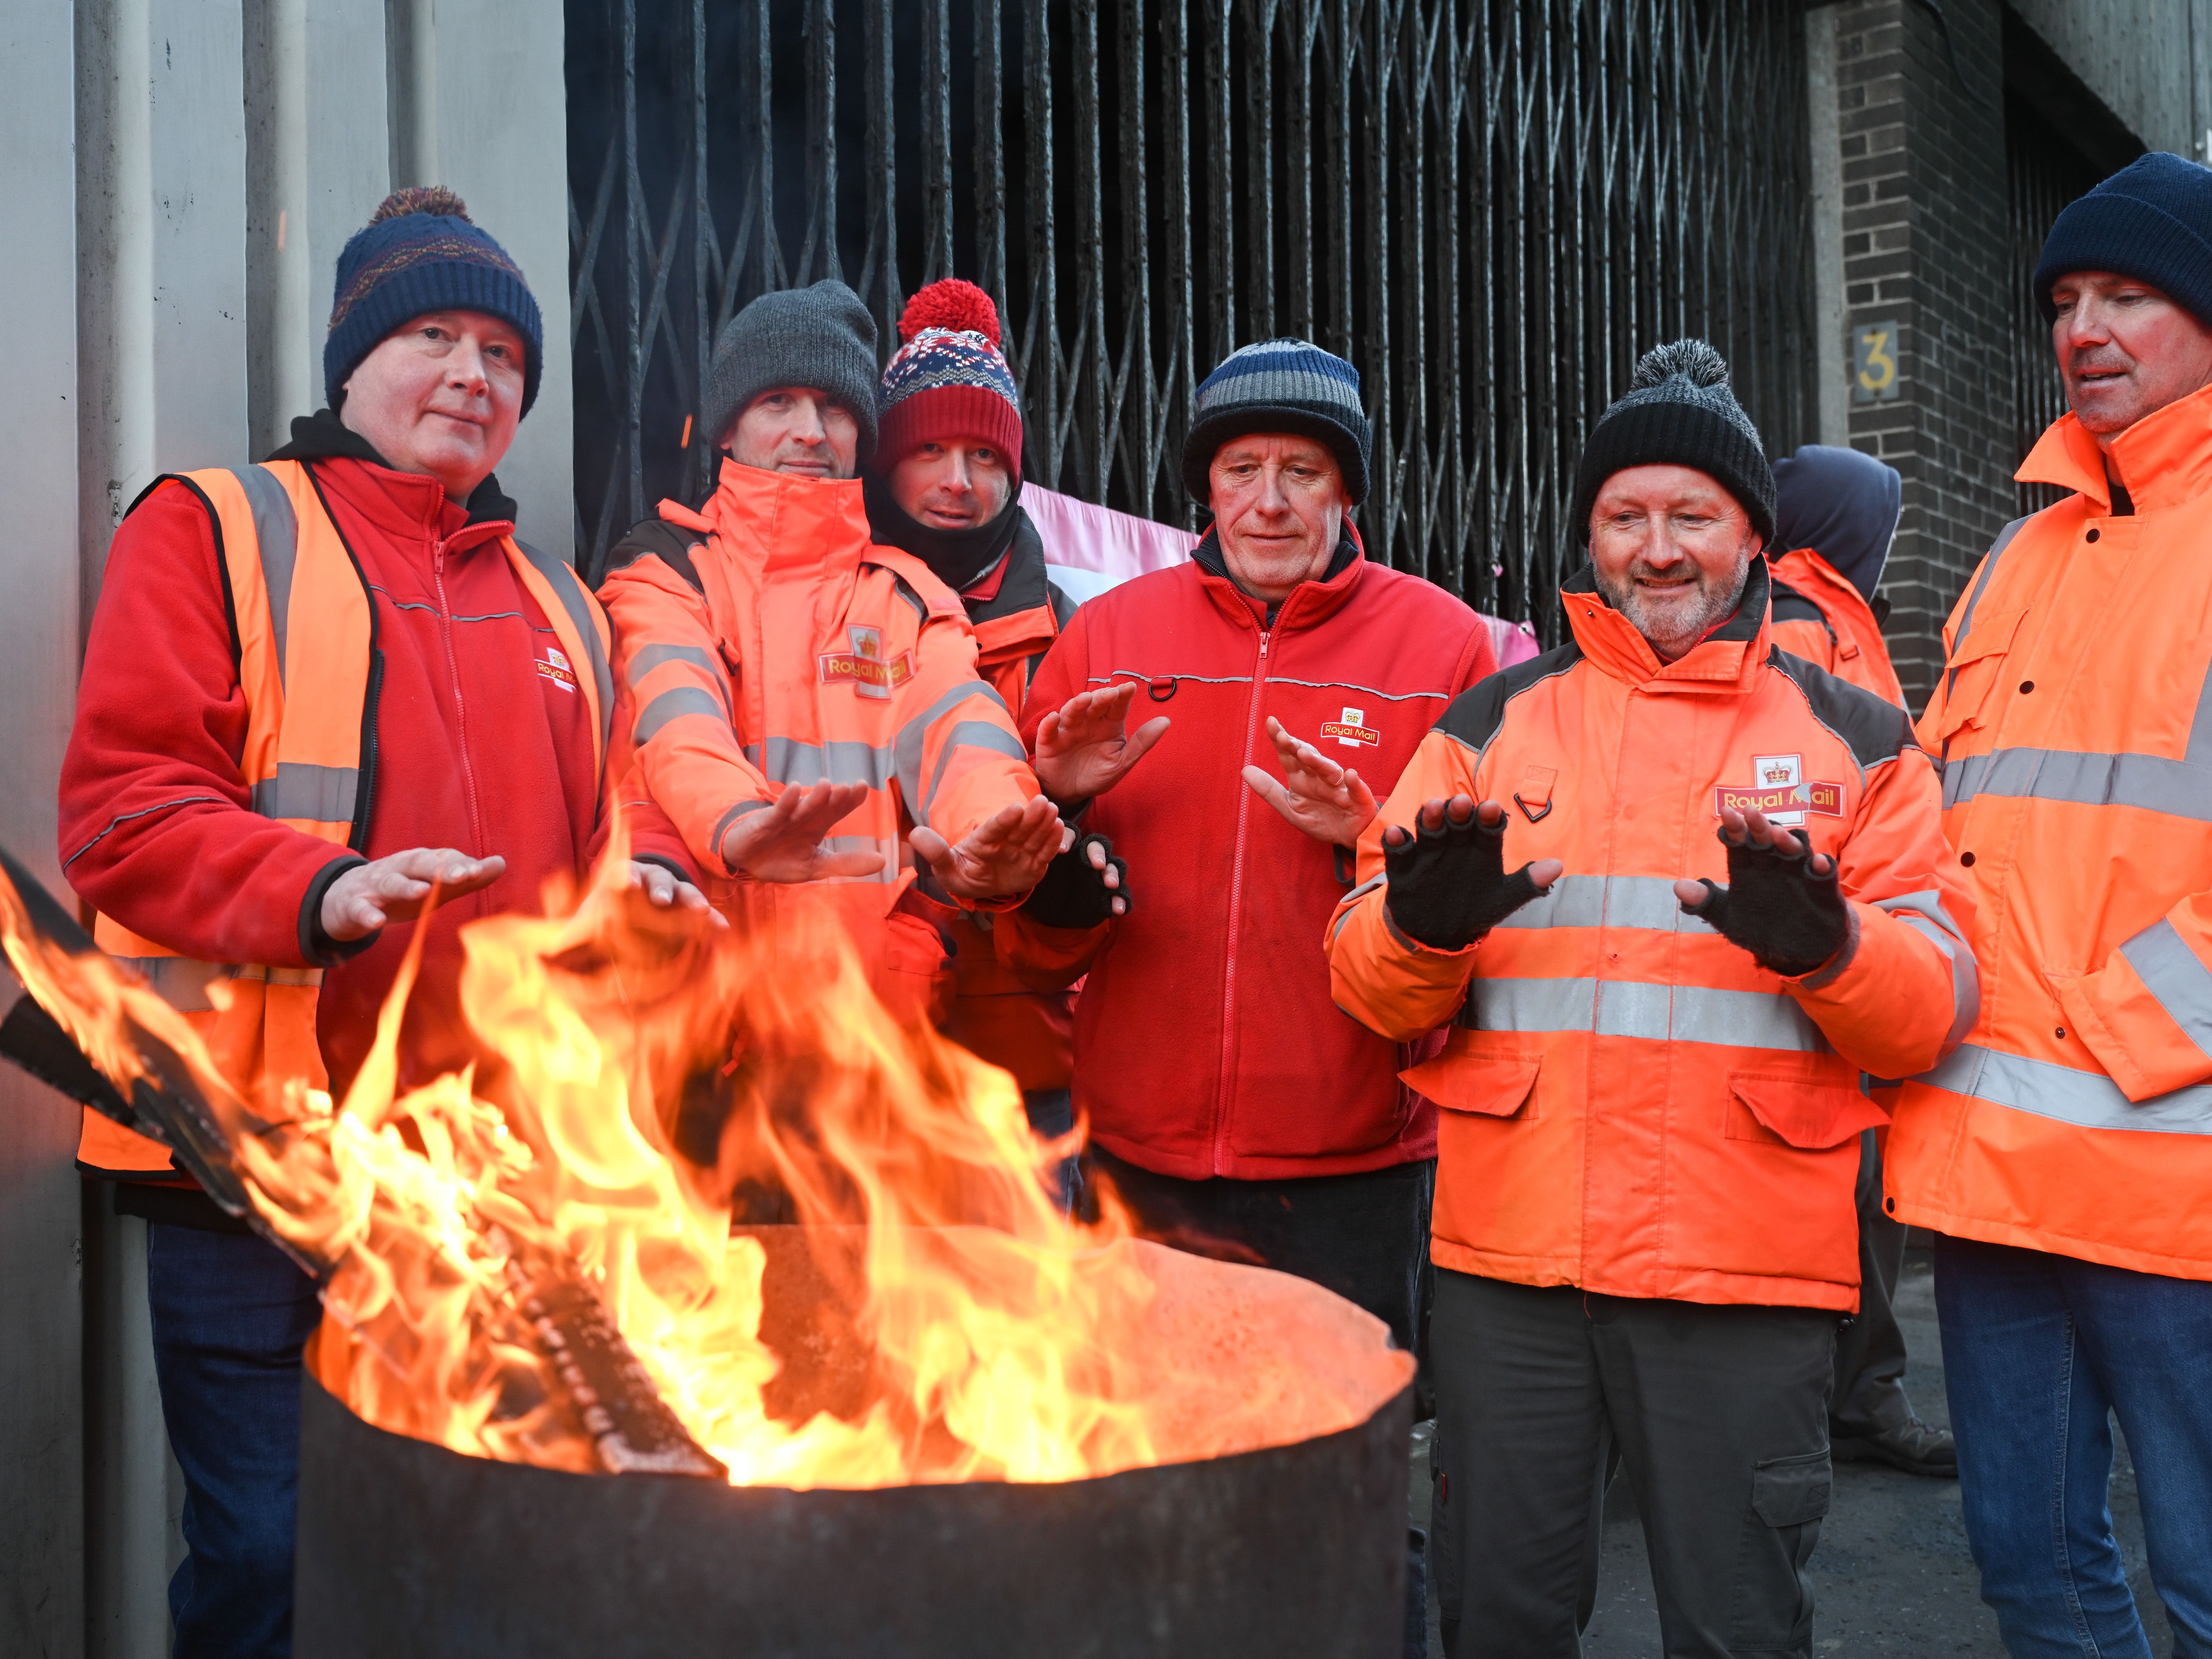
x=1555, y=1014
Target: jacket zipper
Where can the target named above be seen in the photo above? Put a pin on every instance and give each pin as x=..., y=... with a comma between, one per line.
x=454, y=677
x=1236, y=915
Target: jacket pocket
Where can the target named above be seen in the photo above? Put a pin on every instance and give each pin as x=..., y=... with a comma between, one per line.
x=1499, y=1085
x=1789, y=1492
x=1974, y=674
x=1804, y=1114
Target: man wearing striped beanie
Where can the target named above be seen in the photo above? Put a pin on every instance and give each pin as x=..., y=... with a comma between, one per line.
x=945, y=486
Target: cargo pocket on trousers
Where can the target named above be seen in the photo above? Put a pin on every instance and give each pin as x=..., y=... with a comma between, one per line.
x=1773, y=1596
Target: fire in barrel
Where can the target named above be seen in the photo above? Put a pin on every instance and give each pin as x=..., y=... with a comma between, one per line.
x=714, y=1310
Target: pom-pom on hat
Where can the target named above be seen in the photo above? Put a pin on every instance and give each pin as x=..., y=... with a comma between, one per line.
x=1679, y=412
x=421, y=253
x=949, y=378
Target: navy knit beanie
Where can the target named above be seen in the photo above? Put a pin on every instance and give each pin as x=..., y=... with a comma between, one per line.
x=2151, y=221
x=1678, y=411
x=420, y=253
x=1280, y=386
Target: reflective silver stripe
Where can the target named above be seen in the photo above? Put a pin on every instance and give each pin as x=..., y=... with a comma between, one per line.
x=646, y=658
x=2179, y=788
x=2171, y=972
x=1609, y=902
x=673, y=706
x=324, y=794
x=181, y=982
x=276, y=530
x=906, y=747
x=1924, y=913
x=786, y=760
x=969, y=734
x=2088, y=1100
x=1659, y=1013
x=565, y=582
x=311, y=977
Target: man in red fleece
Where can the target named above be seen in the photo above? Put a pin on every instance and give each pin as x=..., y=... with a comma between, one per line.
x=313, y=691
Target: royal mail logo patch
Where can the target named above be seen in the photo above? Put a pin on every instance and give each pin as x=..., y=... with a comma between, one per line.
x=864, y=667
x=554, y=666
x=1353, y=731
x=1779, y=790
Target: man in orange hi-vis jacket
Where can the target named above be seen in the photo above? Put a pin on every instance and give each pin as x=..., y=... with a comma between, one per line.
x=2063, y=1155
x=1651, y=1100
x=798, y=705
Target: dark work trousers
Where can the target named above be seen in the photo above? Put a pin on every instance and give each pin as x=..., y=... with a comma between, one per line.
x=231, y=1315
x=1718, y=1415
x=1052, y=1114
x=1366, y=1236
x=1869, y=1398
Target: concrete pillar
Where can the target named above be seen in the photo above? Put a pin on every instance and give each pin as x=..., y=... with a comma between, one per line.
x=41, y=1411
x=1832, y=352
x=1926, y=244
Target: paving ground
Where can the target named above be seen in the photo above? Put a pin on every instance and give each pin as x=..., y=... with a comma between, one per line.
x=1892, y=1575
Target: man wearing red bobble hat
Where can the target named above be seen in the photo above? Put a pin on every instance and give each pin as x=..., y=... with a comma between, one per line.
x=946, y=486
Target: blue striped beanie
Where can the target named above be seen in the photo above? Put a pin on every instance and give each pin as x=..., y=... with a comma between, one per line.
x=421, y=253
x=1280, y=386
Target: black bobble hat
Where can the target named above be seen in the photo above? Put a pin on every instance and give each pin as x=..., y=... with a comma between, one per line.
x=1679, y=412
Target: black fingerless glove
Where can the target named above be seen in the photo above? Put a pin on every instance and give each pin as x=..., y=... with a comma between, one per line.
x=1789, y=919
x=1072, y=893
x=1448, y=886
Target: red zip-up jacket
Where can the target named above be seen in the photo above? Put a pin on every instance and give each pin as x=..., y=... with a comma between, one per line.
x=1206, y=1040
x=474, y=748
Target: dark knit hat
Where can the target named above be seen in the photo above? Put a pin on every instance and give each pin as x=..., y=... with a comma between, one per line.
x=420, y=252
x=949, y=379
x=820, y=336
x=2151, y=221
x=1679, y=412
x=1280, y=386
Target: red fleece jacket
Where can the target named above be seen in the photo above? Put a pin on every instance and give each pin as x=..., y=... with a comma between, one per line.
x=475, y=749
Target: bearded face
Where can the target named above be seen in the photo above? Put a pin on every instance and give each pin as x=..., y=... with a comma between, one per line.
x=1671, y=550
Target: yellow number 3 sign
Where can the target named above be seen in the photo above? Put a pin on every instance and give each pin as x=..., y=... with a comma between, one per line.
x=1875, y=378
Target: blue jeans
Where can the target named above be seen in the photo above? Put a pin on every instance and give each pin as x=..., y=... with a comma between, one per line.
x=231, y=1315
x=2039, y=1352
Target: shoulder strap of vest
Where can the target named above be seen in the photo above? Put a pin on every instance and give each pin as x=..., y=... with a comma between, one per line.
x=585, y=633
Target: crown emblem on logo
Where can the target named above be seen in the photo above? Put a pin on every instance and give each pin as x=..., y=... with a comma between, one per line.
x=1777, y=772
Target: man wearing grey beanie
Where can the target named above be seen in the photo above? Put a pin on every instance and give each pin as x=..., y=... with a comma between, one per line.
x=797, y=706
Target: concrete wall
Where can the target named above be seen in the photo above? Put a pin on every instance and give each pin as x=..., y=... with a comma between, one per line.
x=2149, y=62
x=182, y=174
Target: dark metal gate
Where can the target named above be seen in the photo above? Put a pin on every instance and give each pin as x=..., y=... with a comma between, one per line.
x=1491, y=206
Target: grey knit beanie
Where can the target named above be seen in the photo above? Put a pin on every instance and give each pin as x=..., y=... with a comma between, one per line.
x=1679, y=412
x=1280, y=386
x=820, y=336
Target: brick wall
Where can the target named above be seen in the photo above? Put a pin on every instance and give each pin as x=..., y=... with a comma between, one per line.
x=1925, y=244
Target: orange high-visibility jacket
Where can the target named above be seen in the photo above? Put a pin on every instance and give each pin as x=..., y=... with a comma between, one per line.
x=2072, y=724
x=1819, y=616
x=766, y=641
x=304, y=668
x=1630, y=1103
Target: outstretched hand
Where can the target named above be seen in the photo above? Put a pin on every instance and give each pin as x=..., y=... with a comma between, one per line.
x=1006, y=855
x=1083, y=747
x=1782, y=902
x=1447, y=885
x=400, y=887
x=782, y=841
x=1331, y=803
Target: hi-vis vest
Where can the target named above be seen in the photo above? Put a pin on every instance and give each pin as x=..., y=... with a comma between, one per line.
x=310, y=670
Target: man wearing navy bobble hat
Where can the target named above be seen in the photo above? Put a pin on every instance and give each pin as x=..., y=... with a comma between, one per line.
x=2063, y=1154
x=321, y=694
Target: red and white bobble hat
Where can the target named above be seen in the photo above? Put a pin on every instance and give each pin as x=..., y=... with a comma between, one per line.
x=949, y=379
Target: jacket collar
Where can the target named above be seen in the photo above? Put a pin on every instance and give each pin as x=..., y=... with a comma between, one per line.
x=789, y=525
x=2163, y=460
x=1726, y=660
x=1306, y=606
x=1811, y=575
x=402, y=504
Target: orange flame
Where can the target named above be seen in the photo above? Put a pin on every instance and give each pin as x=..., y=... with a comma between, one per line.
x=932, y=1316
